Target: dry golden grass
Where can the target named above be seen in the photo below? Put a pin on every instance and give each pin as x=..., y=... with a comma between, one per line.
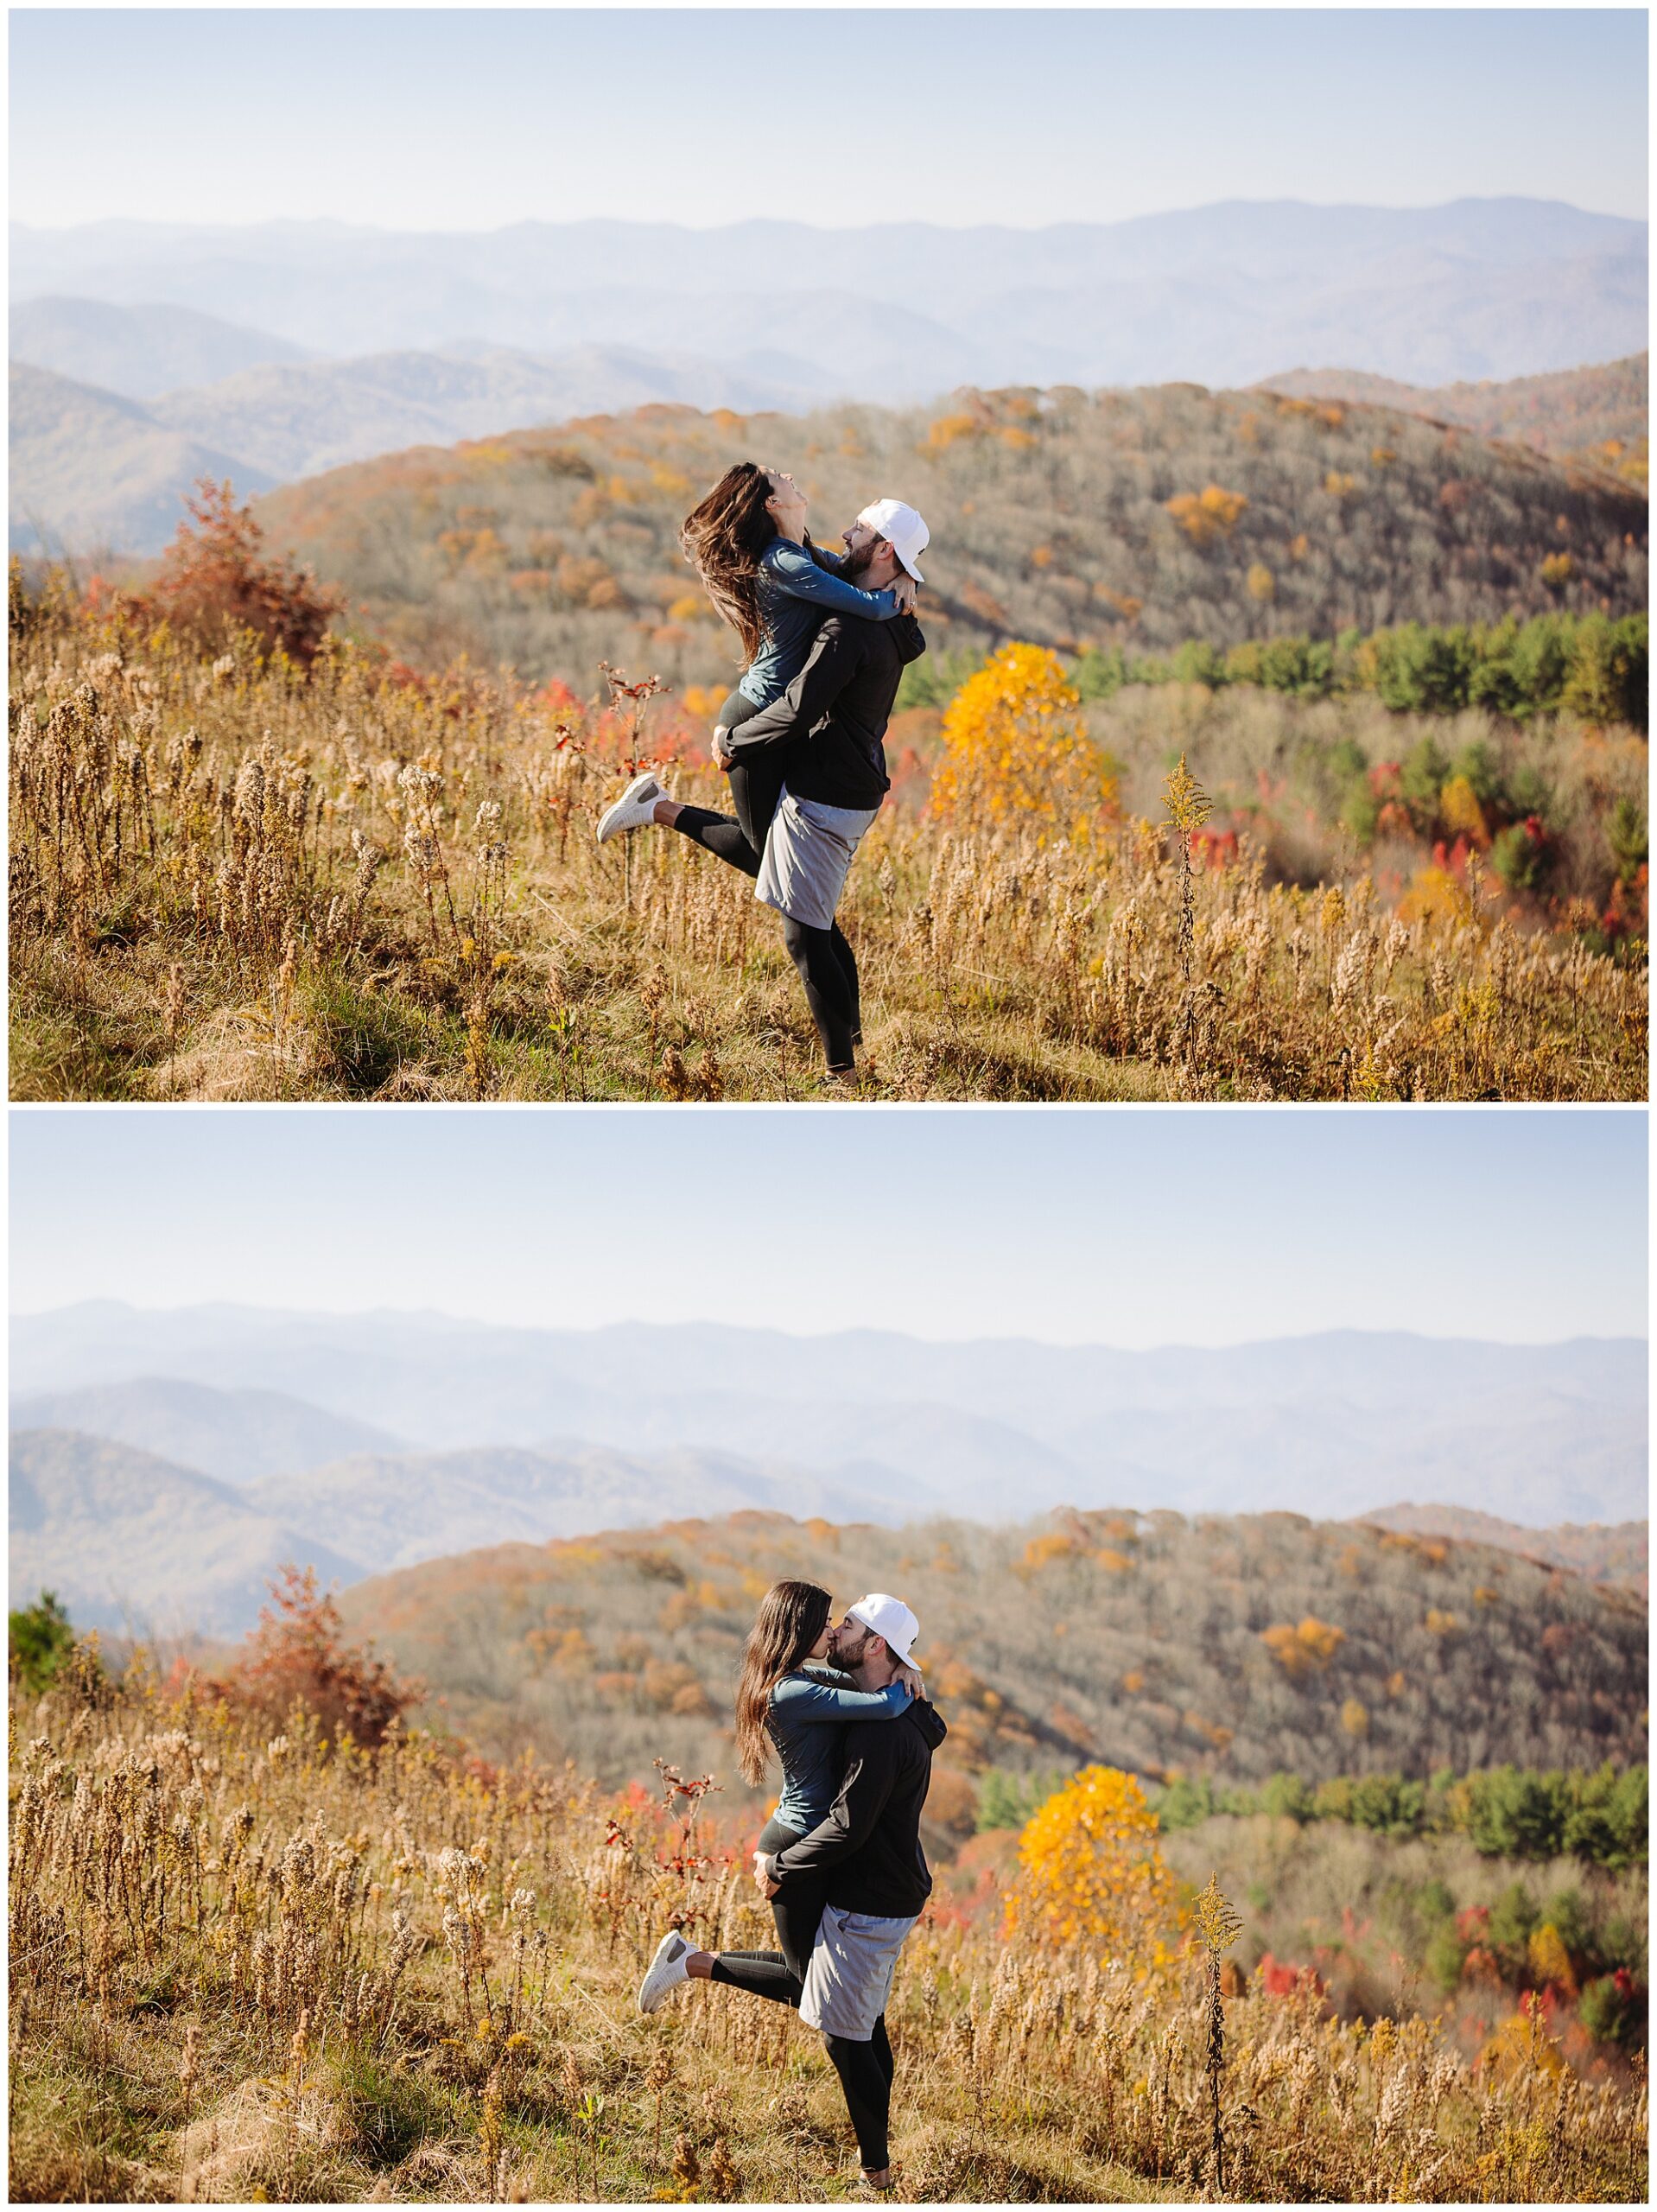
x=252, y=1967
x=230, y=881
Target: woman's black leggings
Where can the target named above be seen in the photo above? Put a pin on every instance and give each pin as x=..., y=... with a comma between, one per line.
x=826, y=964
x=756, y=789
x=796, y=1909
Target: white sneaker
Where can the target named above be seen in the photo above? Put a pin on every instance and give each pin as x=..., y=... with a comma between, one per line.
x=633, y=808
x=667, y=1971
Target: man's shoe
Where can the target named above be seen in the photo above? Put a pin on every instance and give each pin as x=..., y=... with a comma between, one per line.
x=636, y=806
x=667, y=1971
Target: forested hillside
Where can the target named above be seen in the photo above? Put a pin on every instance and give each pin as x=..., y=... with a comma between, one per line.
x=1233, y=1647
x=1614, y=1552
x=1598, y=416
x=1131, y=518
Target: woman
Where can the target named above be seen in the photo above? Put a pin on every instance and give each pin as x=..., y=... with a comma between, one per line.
x=788, y=1704
x=748, y=542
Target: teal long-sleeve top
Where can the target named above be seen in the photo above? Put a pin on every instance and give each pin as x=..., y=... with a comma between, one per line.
x=798, y=586
x=809, y=1713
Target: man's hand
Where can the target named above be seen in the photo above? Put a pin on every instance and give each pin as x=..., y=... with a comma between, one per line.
x=763, y=1880
x=903, y=589
x=723, y=755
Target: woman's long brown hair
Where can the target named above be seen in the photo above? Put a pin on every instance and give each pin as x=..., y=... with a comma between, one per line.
x=723, y=539
x=792, y=1615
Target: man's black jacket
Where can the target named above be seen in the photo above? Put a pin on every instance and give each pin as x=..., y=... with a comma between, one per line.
x=869, y=1847
x=833, y=717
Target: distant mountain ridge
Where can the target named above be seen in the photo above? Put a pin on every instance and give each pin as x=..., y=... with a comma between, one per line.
x=556, y=320
x=93, y=469
x=138, y=352
x=1339, y=1424
x=235, y=1436
x=1224, y=294
x=128, y=1540
x=89, y=469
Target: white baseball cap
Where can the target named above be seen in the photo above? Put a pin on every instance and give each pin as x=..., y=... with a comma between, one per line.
x=888, y=1617
x=905, y=533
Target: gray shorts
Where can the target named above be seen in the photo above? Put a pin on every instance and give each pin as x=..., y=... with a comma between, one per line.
x=809, y=850
x=850, y=1977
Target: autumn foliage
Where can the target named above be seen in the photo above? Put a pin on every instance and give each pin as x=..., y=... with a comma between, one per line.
x=292, y=1971
x=1304, y=1650
x=218, y=580
x=298, y=1656
x=1017, y=753
x=1208, y=514
x=1090, y=1871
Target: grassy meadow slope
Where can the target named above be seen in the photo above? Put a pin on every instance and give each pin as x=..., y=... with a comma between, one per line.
x=309, y=906
x=1144, y=1640
x=264, y=1967
x=1050, y=517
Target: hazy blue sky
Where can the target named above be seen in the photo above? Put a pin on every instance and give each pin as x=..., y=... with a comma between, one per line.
x=1120, y=1227
x=463, y=119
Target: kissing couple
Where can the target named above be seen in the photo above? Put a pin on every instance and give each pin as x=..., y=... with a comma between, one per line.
x=827, y=637
x=845, y=1713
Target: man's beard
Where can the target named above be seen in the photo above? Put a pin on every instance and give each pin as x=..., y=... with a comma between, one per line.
x=847, y=1656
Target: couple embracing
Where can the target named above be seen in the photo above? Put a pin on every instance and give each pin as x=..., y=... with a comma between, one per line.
x=827, y=637
x=841, y=1860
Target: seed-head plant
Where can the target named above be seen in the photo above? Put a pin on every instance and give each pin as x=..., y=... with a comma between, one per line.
x=1216, y=1927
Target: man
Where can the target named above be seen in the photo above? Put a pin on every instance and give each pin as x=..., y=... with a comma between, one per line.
x=831, y=722
x=868, y=1854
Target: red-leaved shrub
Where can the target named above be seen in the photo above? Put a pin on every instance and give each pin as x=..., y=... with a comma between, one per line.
x=217, y=578
x=298, y=1655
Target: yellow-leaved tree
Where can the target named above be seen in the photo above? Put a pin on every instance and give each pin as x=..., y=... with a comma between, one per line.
x=1017, y=752
x=1090, y=1871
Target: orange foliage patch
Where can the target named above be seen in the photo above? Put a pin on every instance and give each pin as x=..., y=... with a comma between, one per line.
x=1304, y=1650
x=1206, y=515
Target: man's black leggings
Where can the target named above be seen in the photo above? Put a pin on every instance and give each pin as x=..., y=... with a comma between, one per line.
x=827, y=967
x=865, y=2071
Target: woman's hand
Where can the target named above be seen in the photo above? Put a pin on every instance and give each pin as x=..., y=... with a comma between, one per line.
x=902, y=589
x=910, y=1679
